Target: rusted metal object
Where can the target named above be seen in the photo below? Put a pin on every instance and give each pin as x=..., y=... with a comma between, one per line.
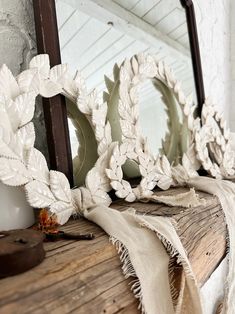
x=61, y=235
x=20, y=250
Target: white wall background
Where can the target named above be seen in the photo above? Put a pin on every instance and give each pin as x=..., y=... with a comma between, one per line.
x=232, y=43
x=213, y=20
x=18, y=46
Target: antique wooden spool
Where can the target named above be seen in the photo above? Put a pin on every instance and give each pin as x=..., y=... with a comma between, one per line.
x=20, y=250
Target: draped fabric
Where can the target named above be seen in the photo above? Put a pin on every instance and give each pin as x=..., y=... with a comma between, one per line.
x=225, y=191
x=146, y=246
x=152, y=253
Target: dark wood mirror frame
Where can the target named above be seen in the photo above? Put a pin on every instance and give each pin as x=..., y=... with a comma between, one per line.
x=55, y=108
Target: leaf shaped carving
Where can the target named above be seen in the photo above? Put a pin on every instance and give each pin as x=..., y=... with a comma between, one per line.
x=58, y=73
x=49, y=89
x=143, y=171
x=37, y=166
x=188, y=166
x=62, y=210
x=101, y=198
x=128, y=129
x=130, y=198
x=13, y=172
x=39, y=194
x=92, y=181
x=21, y=111
x=22, y=141
x=60, y=186
x=122, y=193
x=25, y=136
x=8, y=84
x=111, y=174
x=166, y=166
x=102, y=147
x=5, y=124
x=116, y=185
x=135, y=65
x=42, y=63
x=165, y=182
x=6, y=151
x=99, y=115
x=124, y=75
x=29, y=80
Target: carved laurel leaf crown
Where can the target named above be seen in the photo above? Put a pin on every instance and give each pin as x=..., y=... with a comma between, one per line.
x=21, y=164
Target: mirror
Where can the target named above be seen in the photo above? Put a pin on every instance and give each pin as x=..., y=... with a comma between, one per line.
x=96, y=35
x=153, y=116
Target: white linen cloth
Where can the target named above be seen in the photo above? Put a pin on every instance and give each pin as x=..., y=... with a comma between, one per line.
x=225, y=191
x=141, y=241
x=147, y=244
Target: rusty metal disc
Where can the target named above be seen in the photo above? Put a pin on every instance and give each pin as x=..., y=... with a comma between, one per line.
x=20, y=250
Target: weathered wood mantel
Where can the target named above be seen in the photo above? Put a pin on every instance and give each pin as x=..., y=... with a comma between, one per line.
x=86, y=277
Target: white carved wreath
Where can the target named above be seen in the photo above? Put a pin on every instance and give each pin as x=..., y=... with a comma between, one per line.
x=213, y=144
x=23, y=165
x=154, y=171
x=128, y=77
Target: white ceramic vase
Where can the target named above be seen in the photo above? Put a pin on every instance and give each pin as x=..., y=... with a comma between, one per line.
x=15, y=212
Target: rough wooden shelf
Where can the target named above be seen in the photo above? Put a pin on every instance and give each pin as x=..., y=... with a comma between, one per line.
x=86, y=277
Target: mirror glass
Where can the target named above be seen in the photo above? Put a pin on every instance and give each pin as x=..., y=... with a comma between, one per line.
x=94, y=35
x=153, y=116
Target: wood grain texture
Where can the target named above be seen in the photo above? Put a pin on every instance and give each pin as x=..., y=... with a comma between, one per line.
x=86, y=277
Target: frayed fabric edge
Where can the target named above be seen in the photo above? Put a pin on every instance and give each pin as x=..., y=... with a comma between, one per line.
x=173, y=253
x=187, y=199
x=129, y=271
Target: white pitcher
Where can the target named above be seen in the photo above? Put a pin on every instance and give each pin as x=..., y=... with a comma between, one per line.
x=15, y=212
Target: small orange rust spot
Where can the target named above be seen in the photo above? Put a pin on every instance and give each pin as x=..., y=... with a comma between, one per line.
x=47, y=222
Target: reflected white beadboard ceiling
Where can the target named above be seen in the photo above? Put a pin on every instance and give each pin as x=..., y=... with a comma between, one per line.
x=93, y=43
x=96, y=34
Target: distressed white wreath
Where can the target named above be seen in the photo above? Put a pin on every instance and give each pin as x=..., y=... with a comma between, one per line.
x=125, y=88
x=23, y=165
x=123, y=94
x=213, y=143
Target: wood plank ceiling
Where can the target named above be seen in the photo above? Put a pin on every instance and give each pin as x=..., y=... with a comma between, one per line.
x=93, y=46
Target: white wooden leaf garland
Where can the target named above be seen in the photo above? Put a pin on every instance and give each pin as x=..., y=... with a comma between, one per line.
x=23, y=165
x=13, y=172
x=213, y=144
x=155, y=171
x=37, y=166
x=128, y=79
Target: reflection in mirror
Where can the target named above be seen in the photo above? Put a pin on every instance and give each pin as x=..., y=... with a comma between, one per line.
x=153, y=116
x=94, y=35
